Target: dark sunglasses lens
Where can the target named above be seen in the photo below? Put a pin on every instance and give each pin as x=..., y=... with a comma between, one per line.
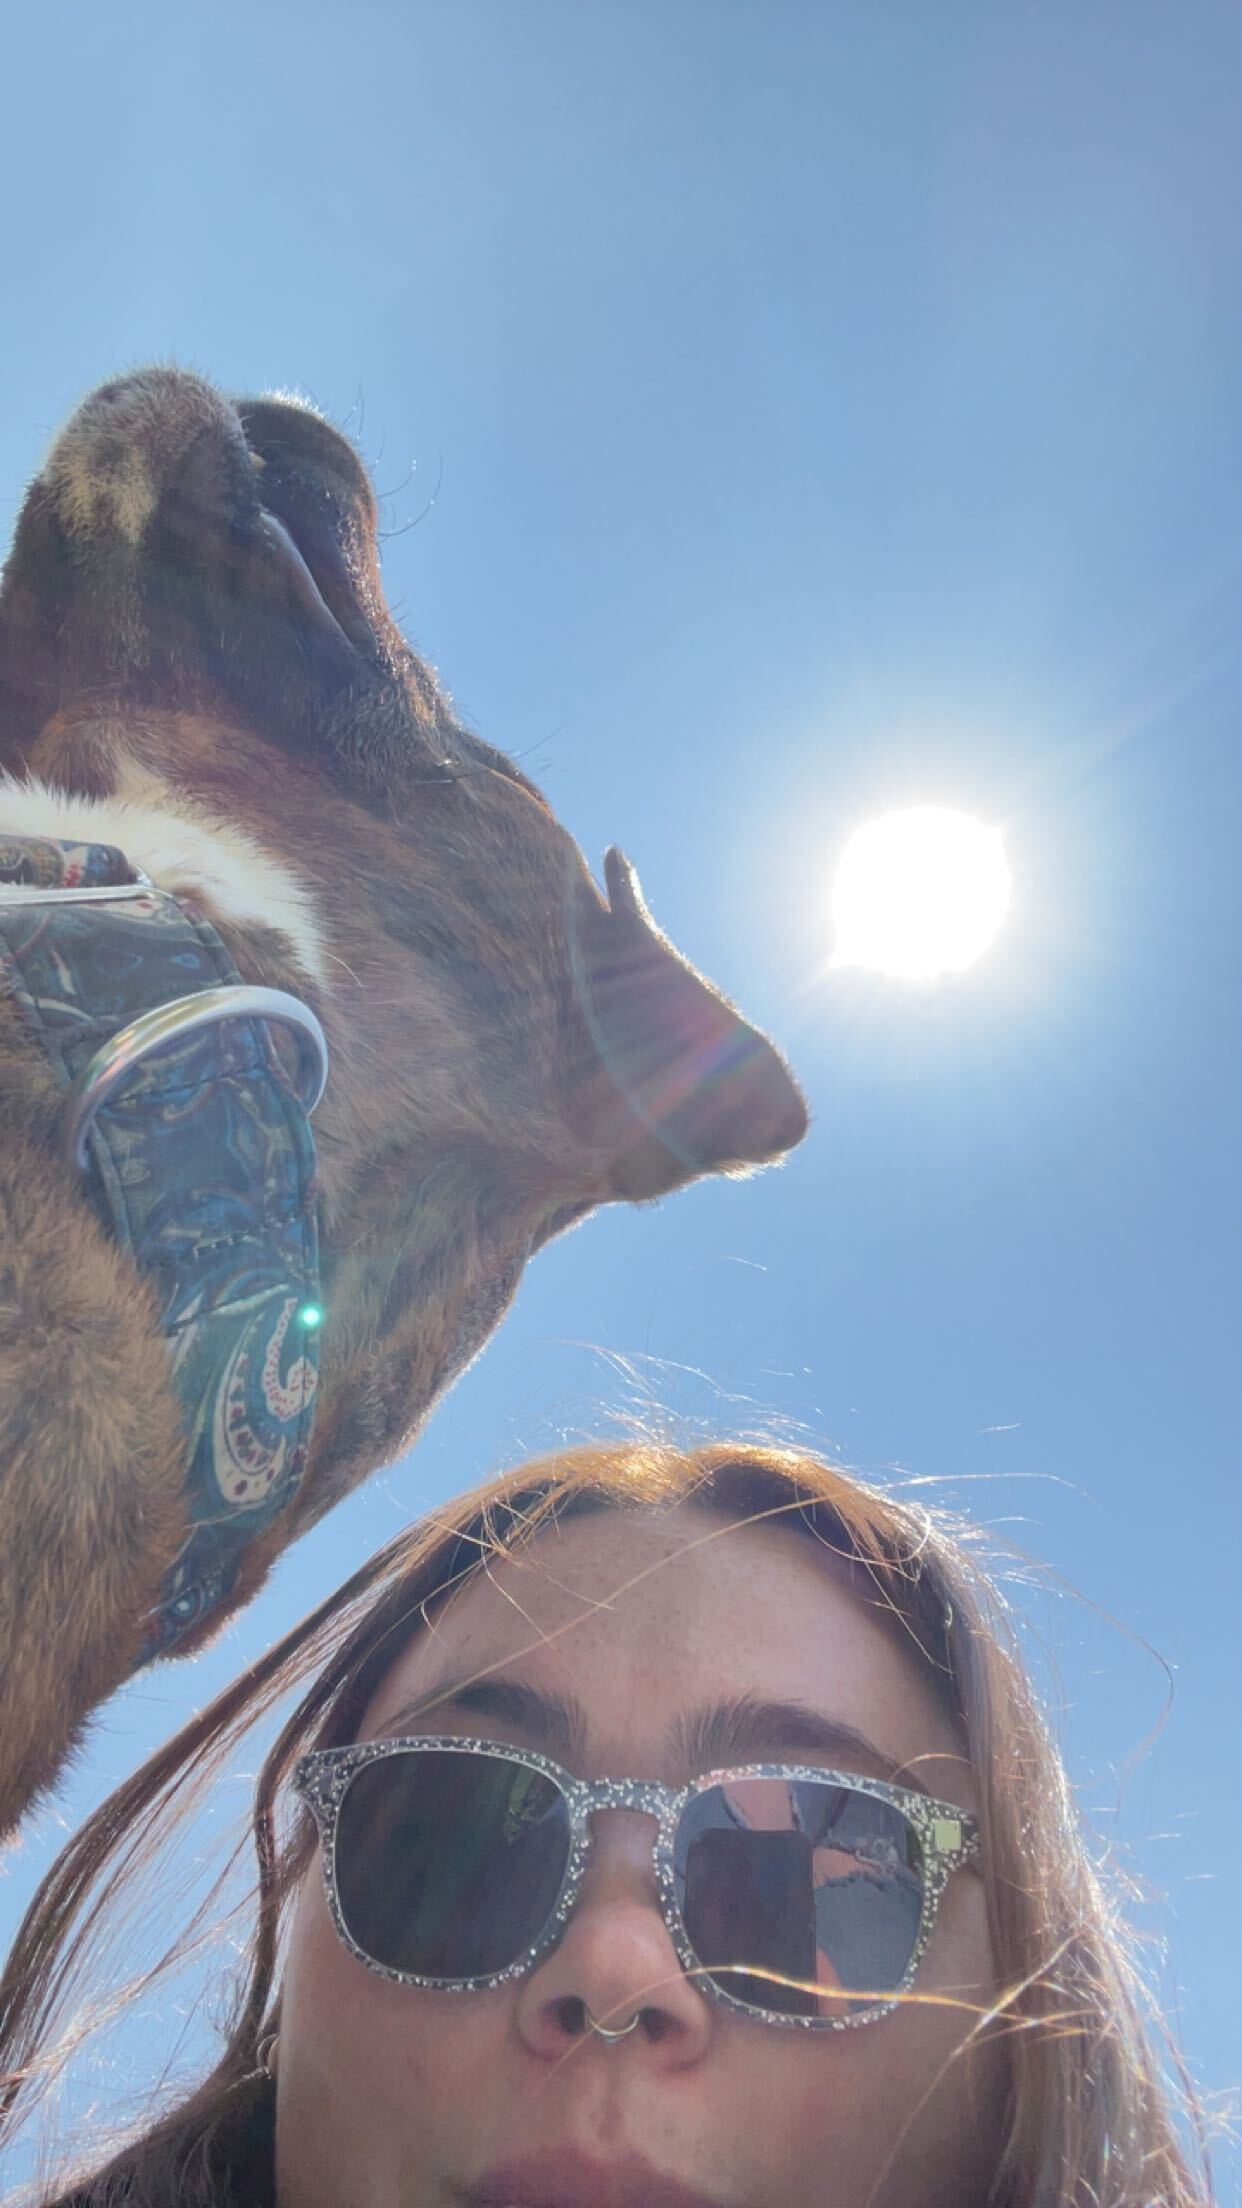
x=800, y=1896
x=449, y=1864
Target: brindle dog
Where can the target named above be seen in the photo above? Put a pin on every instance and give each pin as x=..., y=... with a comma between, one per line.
x=197, y=664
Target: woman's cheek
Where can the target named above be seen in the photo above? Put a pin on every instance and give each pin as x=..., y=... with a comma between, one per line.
x=841, y=2105
x=863, y=2115
x=378, y=2083
x=341, y=2113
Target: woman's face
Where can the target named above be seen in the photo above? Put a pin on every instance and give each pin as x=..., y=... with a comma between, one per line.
x=625, y=1633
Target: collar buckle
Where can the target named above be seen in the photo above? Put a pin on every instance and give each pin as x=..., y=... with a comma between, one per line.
x=108, y=1069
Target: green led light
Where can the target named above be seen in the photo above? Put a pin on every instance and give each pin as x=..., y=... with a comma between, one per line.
x=310, y=1315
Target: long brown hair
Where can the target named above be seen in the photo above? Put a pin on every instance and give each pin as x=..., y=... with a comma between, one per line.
x=1090, y=2119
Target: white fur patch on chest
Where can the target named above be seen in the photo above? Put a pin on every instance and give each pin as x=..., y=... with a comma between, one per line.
x=184, y=851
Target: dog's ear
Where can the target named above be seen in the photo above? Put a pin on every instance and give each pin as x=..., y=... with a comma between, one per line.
x=690, y=1087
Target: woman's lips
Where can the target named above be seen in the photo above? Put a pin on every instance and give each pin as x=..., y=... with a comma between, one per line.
x=572, y=2180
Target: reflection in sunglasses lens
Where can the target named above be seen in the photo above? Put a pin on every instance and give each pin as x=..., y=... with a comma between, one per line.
x=793, y=1879
x=448, y=1865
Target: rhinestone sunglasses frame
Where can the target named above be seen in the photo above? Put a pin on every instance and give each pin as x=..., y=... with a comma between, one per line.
x=947, y=1835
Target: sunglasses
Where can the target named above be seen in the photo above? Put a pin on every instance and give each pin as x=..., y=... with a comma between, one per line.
x=801, y=1896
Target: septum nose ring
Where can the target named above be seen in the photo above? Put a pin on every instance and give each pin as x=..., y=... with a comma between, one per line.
x=603, y=2031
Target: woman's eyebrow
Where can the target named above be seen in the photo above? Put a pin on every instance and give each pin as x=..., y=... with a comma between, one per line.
x=748, y=1728
x=752, y=1728
x=555, y=1723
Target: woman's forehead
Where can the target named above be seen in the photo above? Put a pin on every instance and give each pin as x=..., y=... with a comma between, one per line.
x=638, y=1623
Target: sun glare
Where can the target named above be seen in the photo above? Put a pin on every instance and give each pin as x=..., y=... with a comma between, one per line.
x=919, y=892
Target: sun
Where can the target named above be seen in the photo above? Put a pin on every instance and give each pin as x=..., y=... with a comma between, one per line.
x=919, y=892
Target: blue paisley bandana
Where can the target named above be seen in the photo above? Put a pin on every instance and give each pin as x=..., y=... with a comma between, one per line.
x=203, y=1167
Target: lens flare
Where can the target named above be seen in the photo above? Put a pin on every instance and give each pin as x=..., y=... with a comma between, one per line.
x=919, y=892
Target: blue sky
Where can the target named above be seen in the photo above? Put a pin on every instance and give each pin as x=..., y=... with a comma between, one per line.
x=828, y=407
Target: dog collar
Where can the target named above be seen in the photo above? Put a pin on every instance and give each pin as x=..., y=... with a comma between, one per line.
x=195, y=1140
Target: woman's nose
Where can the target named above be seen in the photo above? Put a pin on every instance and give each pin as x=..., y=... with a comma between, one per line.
x=615, y=1970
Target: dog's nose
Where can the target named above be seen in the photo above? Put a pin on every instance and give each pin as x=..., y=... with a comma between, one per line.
x=292, y=441
x=191, y=550
x=263, y=502
x=163, y=448
x=131, y=442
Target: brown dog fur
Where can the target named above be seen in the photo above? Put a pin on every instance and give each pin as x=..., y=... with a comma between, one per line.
x=508, y=1049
